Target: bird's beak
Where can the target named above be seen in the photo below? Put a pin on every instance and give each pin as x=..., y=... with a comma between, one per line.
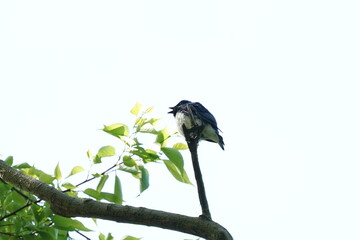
x=172, y=109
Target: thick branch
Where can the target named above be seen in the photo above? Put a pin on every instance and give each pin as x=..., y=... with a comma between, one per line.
x=67, y=206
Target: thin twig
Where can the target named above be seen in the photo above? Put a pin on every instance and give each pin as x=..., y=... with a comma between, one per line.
x=22, y=194
x=133, y=134
x=193, y=144
x=8, y=234
x=18, y=210
x=78, y=232
x=92, y=178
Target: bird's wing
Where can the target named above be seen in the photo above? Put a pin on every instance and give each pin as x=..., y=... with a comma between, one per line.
x=204, y=114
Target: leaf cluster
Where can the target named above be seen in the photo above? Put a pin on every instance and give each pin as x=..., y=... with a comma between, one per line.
x=23, y=216
x=136, y=155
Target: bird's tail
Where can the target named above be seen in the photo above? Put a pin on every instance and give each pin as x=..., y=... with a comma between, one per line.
x=221, y=142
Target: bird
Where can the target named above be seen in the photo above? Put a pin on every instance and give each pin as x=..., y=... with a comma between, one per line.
x=194, y=115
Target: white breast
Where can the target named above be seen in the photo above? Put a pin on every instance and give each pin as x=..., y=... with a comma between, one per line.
x=184, y=119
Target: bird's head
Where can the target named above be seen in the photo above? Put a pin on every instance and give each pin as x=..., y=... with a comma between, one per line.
x=176, y=108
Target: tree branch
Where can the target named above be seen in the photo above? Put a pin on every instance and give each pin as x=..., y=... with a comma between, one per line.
x=192, y=137
x=67, y=206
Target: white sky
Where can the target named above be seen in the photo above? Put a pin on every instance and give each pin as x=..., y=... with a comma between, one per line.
x=281, y=77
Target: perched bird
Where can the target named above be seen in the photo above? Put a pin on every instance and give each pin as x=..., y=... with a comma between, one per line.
x=194, y=115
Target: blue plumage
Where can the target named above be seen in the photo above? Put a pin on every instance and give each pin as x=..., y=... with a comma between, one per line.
x=194, y=114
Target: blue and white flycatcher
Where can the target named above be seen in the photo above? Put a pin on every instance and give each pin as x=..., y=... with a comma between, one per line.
x=195, y=115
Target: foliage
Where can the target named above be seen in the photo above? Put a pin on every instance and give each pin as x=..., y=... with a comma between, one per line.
x=24, y=216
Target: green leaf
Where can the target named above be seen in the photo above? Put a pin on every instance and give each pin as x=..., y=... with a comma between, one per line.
x=140, y=122
x=153, y=121
x=149, y=109
x=80, y=226
x=162, y=137
x=22, y=165
x=38, y=213
x=108, y=196
x=118, y=191
x=148, y=129
x=146, y=125
x=185, y=177
x=102, y=182
x=174, y=156
x=178, y=174
x=147, y=155
x=46, y=178
x=96, y=160
x=101, y=236
x=109, y=237
x=68, y=186
x=173, y=170
x=68, y=224
x=13, y=201
x=72, y=193
x=9, y=160
x=47, y=210
x=57, y=172
x=180, y=146
x=118, y=130
x=106, y=151
x=92, y=193
x=47, y=234
x=133, y=171
x=89, y=154
x=136, y=109
x=131, y=238
x=144, y=179
x=42, y=176
x=76, y=170
x=152, y=156
x=128, y=161
x=61, y=234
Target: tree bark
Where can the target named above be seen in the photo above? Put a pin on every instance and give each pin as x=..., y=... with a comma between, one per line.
x=67, y=206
